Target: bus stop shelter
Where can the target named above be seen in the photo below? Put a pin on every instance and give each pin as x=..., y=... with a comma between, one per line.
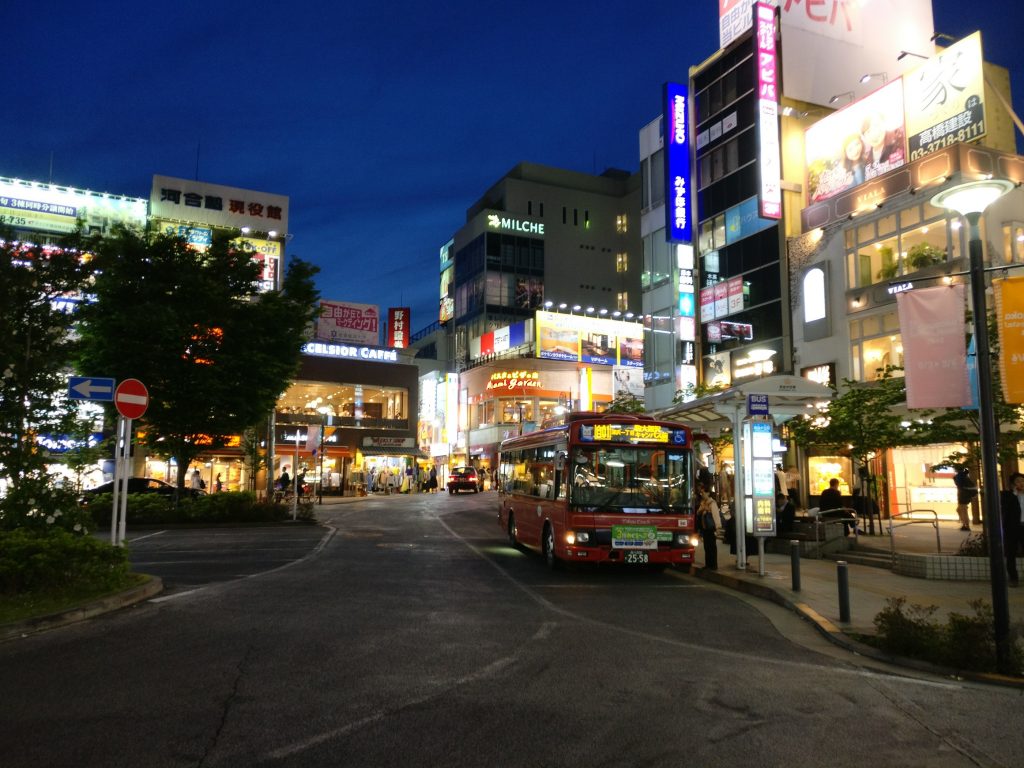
x=775, y=398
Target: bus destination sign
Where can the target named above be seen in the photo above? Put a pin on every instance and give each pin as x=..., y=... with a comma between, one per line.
x=632, y=433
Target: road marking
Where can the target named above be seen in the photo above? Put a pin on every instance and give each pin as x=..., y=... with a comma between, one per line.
x=148, y=535
x=176, y=595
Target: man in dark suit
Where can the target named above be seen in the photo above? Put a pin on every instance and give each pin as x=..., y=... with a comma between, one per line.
x=1011, y=505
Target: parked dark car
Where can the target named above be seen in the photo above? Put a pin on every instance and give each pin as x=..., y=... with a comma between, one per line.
x=464, y=479
x=141, y=485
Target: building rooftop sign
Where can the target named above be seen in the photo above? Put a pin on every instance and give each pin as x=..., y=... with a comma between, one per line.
x=346, y=351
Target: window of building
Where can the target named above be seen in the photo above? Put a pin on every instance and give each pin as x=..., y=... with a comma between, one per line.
x=657, y=260
x=620, y=224
x=621, y=262
x=1013, y=242
x=622, y=301
x=586, y=219
x=891, y=247
x=658, y=178
x=875, y=342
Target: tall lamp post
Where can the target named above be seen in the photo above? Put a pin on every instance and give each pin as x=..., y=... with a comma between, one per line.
x=970, y=200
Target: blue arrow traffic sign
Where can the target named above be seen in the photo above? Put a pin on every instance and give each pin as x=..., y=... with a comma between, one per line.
x=90, y=388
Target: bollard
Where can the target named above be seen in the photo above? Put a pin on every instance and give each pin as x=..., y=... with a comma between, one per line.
x=844, y=591
x=794, y=563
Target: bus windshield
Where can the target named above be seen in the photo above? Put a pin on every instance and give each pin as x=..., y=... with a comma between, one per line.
x=631, y=479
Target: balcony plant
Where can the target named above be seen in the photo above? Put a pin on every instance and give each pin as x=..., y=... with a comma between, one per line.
x=925, y=255
x=890, y=266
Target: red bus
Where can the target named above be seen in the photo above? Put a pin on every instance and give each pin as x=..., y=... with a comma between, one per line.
x=601, y=488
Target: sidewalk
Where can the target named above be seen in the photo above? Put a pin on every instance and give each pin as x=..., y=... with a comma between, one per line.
x=869, y=587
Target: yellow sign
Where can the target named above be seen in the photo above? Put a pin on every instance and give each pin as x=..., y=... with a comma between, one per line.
x=514, y=380
x=647, y=433
x=1010, y=317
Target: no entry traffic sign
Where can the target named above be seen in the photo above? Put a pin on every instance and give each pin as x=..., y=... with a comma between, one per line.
x=131, y=398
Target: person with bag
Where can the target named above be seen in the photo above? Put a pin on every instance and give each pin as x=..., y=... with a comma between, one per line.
x=966, y=490
x=707, y=512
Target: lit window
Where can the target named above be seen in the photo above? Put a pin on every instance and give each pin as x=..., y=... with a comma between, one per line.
x=622, y=301
x=621, y=262
x=814, y=295
x=620, y=224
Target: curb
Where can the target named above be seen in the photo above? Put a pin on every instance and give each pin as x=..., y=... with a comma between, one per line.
x=19, y=629
x=837, y=636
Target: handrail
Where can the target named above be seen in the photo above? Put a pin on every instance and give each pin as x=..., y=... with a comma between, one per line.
x=846, y=514
x=934, y=522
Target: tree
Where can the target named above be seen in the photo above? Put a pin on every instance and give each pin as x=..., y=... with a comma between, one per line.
x=214, y=353
x=624, y=402
x=35, y=352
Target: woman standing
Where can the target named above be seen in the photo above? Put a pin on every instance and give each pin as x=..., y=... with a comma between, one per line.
x=707, y=512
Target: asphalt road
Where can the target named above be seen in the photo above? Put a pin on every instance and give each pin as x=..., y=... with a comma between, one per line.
x=410, y=634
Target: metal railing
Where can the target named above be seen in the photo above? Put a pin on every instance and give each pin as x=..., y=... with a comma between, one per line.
x=934, y=522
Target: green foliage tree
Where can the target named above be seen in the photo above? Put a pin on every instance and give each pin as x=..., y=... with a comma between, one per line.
x=624, y=402
x=860, y=420
x=35, y=352
x=214, y=352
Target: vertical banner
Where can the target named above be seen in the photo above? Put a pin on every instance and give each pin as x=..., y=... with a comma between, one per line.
x=398, y=327
x=934, y=347
x=678, y=226
x=769, y=151
x=1010, y=319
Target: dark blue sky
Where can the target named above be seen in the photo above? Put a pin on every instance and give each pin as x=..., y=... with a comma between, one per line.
x=382, y=122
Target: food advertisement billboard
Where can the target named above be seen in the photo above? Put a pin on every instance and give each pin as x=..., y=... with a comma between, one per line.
x=579, y=339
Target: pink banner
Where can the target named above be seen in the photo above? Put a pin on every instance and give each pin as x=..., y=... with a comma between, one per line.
x=933, y=327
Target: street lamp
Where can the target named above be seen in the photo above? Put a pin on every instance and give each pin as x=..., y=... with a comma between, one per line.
x=970, y=200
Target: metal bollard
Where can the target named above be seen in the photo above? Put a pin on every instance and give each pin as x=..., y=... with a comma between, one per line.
x=843, y=579
x=794, y=563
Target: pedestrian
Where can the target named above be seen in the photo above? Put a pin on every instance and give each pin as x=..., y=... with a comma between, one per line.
x=284, y=481
x=707, y=511
x=966, y=490
x=831, y=497
x=781, y=482
x=1011, y=505
x=218, y=486
x=196, y=480
x=432, y=480
x=785, y=515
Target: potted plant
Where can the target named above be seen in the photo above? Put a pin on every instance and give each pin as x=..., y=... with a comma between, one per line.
x=890, y=267
x=925, y=255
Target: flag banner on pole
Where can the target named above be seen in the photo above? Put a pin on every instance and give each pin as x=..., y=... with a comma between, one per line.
x=312, y=438
x=972, y=374
x=1010, y=320
x=934, y=347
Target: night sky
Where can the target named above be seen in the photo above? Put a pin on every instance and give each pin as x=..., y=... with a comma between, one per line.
x=382, y=123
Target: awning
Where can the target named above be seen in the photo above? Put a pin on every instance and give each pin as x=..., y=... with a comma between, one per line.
x=788, y=396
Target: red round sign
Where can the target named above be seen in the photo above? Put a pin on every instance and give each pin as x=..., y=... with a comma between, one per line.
x=131, y=398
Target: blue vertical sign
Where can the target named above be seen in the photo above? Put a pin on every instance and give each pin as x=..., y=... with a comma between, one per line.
x=678, y=227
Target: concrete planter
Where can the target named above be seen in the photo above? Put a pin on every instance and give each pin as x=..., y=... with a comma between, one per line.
x=946, y=567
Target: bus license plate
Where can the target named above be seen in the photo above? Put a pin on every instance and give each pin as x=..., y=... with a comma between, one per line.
x=636, y=557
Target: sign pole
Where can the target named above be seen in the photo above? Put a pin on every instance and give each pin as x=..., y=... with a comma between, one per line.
x=117, y=481
x=126, y=473
x=295, y=478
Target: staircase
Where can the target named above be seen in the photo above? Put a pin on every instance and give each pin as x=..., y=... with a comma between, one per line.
x=861, y=554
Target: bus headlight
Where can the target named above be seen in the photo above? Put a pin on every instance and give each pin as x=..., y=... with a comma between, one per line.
x=686, y=539
x=577, y=537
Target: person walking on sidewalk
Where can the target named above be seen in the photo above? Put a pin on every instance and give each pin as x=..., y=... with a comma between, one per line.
x=1011, y=505
x=966, y=490
x=707, y=511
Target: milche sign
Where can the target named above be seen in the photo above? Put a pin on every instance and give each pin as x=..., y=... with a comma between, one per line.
x=509, y=224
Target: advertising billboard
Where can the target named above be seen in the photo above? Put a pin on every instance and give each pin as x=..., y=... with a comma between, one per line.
x=346, y=321
x=575, y=338
x=398, y=327
x=50, y=208
x=944, y=99
x=678, y=226
x=769, y=151
x=858, y=143
x=218, y=206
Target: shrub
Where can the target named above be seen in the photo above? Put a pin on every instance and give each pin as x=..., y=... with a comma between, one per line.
x=226, y=507
x=964, y=642
x=55, y=560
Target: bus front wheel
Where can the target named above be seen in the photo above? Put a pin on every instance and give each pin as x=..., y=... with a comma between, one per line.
x=548, y=543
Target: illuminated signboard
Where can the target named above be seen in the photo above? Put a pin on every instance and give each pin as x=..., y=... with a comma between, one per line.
x=631, y=433
x=218, y=206
x=375, y=354
x=678, y=226
x=49, y=208
x=856, y=144
x=348, y=321
x=733, y=20
x=398, y=327
x=768, y=110
x=576, y=338
x=944, y=99
x=508, y=380
x=506, y=223
x=503, y=339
